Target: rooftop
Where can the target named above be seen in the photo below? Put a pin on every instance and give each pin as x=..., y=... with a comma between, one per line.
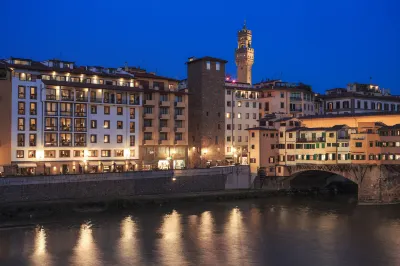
x=206, y=58
x=348, y=115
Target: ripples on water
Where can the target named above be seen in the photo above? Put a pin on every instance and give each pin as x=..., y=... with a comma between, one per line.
x=257, y=232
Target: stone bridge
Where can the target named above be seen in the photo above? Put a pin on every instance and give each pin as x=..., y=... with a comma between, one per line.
x=377, y=184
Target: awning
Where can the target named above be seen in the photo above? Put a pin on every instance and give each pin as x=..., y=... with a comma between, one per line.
x=120, y=163
x=26, y=165
x=107, y=163
x=47, y=164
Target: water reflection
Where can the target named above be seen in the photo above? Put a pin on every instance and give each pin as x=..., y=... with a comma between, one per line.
x=40, y=255
x=235, y=238
x=170, y=245
x=86, y=251
x=128, y=248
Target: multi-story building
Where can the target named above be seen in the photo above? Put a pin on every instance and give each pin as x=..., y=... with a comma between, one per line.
x=359, y=98
x=70, y=119
x=241, y=113
x=295, y=99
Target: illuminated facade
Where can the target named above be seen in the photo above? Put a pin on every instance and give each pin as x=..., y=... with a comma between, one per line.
x=244, y=55
x=69, y=119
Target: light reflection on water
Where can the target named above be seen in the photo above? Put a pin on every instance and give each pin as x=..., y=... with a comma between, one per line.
x=257, y=232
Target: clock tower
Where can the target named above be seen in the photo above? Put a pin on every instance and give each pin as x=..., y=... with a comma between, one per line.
x=244, y=55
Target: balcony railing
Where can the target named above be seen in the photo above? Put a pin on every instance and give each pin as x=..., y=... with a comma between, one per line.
x=81, y=99
x=51, y=113
x=296, y=110
x=50, y=128
x=80, y=143
x=65, y=128
x=122, y=101
x=96, y=100
x=80, y=114
x=66, y=113
x=108, y=100
x=134, y=102
x=344, y=138
x=50, y=144
x=51, y=97
x=295, y=99
x=65, y=143
x=68, y=98
x=80, y=129
x=320, y=139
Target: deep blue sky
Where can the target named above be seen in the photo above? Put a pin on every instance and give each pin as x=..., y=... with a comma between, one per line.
x=320, y=42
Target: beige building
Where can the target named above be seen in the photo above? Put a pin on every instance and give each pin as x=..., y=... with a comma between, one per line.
x=70, y=119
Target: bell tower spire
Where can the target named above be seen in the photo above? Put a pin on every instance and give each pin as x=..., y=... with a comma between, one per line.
x=244, y=55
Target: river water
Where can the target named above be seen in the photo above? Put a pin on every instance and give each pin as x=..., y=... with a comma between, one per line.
x=280, y=231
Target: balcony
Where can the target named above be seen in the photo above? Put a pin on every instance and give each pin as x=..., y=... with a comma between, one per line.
x=165, y=116
x=179, y=104
x=296, y=99
x=165, y=129
x=148, y=129
x=51, y=97
x=296, y=110
x=65, y=113
x=81, y=99
x=148, y=116
x=165, y=103
x=80, y=114
x=108, y=100
x=180, y=130
x=80, y=144
x=66, y=128
x=50, y=128
x=96, y=100
x=180, y=142
x=50, y=144
x=121, y=101
x=134, y=102
x=65, y=143
x=150, y=102
x=80, y=129
x=51, y=113
x=320, y=139
x=179, y=117
x=67, y=98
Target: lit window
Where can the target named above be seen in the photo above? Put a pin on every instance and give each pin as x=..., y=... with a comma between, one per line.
x=208, y=63
x=239, y=103
x=228, y=115
x=239, y=115
x=217, y=66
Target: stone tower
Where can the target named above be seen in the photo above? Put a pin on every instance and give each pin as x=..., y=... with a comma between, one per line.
x=244, y=55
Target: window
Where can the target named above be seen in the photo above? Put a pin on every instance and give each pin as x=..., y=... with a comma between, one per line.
x=32, y=124
x=65, y=153
x=148, y=136
x=228, y=92
x=50, y=154
x=80, y=109
x=228, y=126
x=21, y=124
x=120, y=125
x=132, y=140
x=228, y=115
x=50, y=139
x=119, y=153
x=32, y=154
x=21, y=140
x=239, y=115
x=106, y=124
x=93, y=109
x=219, y=126
x=132, y=127
x=32, y=109
x=217, y=66
x=93, y=138
x=20, y=154
x=239, y=104
x=253, y=134
x=228, y=138
x=148, y=123
x=25, y=77
x=239, y=138
x=119, y=111
x=239, y=126
x=358, y=144
x=247, y=104
x=106, y=138
x=229, y=103
x=33, y=93
x=93, y=124
x=106, y=110
x=247, y=115
x=21, y=92
x=216, y=140
x=66, y=109
x=132, y=113
x=148, y=110
x=271, y=159
x=282, y=96
x=253, y=147
x=119, y=138
x=282, y=105
x=105, y=153
x=92, y=153
x=80, y=124
x=252, y=160
x=254, y=116
x=208, y=65
x=254, y=105
x=21, y=108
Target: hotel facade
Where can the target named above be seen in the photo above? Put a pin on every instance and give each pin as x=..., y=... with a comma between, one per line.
x=60, y=118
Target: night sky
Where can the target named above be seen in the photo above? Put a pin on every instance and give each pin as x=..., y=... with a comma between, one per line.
x=319, y=42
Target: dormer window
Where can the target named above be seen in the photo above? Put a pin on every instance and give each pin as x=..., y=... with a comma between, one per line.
x=21, y=62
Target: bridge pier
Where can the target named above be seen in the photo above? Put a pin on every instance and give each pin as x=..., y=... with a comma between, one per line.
x=377, y=184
